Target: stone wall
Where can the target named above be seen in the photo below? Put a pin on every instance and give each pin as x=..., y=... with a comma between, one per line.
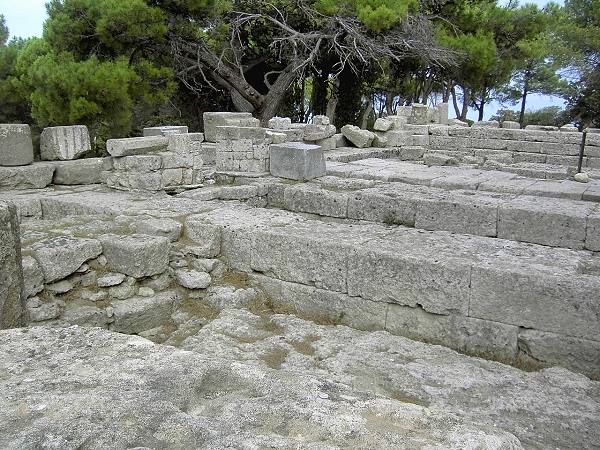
x=11, y=276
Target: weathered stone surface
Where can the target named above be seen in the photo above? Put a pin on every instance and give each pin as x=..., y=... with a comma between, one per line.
x=111, y=279
x=34, y=176
x=136, y=255
x=143, y=313
x=217, y=395
x=592, y=237
x=39, y=311
x=383, y=124
x=81, y=171
x=32, y=276
x=192, y=279
x=511, y=125
x=206, y=237
x=16, y=147
x=360, y=138
x=316, y=132
x=64, y=143
x=168, y=228
x=214, y=119
x=581, y=177
x=61, y=256
x=280, y=123
x=297, y=161
x=11, y=273
x=164, y=130
x=311, y=199
x=419, y=114
x=486, y=124
x=136, y=145
x=457, y=123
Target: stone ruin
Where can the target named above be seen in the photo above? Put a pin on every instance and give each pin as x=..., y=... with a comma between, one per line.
x=422, y=285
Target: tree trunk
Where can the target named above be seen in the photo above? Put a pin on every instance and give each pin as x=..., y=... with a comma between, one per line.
x=466, y=103
x=333, y=101
x=480, y=108
x=367, y=113
x=389, y=103
x=524, y=100
x=455, y=102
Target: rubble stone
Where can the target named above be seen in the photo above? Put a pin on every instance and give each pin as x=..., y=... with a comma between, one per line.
x=136, y=255
x=360, y=138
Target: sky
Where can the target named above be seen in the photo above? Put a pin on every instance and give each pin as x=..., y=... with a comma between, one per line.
x=25, y=18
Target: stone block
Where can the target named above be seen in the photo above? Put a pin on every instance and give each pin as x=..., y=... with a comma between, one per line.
x=491, y=340
x=12, y=308
x=16, y=146
x=396, y=138
x=486, y=124
x=315, y=132
x=511, y=125
x=297, y=161
x=205, y=236
x=81, y=171
x=547, y=221
x=179, y=144
x=32, y=276
x=138, y=163
x=322, y=305
x=321, y=120
x=232, y=133
x=64, y=143
x=545, y=300
x=359, y=138
x=280, y=123
x=327, y=143
x=419, y=114
x=136, y=255
x=165, y=227
x=314, y=200
x=381, y=273
x=34, y=176
x=139, y=314
x=164, y=130
x=136, y=145
x=443, y=113
x=383, y=124
x=384, y=206
x=458, y=213
x=139, y=181
x=419, y=140
x=592, y=237
x=61, y=256
x=214, y=119
x=192, y=279
x=457, y=123
x=539, y=349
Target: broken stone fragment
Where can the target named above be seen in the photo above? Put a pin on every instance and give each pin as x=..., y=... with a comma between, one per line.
x=192, y=279
x=280, y=123
x=383, y=124
x=321, y=120
x=316, y=132
x=60, y=287
x=165, y=227
x=39, y=311
x=61, y=256
x=111, y=279
x=64, y=143
x=360, y=138
x=32, y=276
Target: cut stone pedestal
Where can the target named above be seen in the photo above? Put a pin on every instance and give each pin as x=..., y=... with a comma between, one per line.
x=64, y=143
x=214, y=119
x=11, y=274
x=16, y=148
x=297, y=161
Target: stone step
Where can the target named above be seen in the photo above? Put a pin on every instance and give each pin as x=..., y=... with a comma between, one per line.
x=554, y=222
x=484, y=296
x=463, y=177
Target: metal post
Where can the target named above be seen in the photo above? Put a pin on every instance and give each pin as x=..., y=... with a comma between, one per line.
x=581, y=150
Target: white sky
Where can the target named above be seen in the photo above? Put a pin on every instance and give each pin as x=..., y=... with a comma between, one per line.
x=25, y=18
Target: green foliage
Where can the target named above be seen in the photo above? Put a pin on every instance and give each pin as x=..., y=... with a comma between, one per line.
x=550, y=115
x=3, y=31
x=377, y=15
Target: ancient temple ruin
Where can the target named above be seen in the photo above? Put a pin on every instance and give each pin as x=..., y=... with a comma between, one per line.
x=424, y=284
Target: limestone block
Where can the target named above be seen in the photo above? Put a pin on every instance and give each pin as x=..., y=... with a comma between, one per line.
x=465, y=334
x=16, y=147
x=171, y=160
x=417, y=129
x=12, y=312
x=547, y=221
x=280, y=123
x=233, y=133
x=38, y=310
x=510, y=125
x=172, y=177
x=111, y=279
x=327, y=143
x=214, y=119
x=360, y=138
x=544, y=349
x=541, y=127
x=314, y=200
x=340, y=140
x=383, y=124
x=443, y=113
x=317, y=132
x=179, y=143
x=136, y=255
x=64, y=143
x=138, y=163
x=411, y=153
x=419, y=140
x=457, y=123
x=380, y=140
x=458, y=213
x=419, y=114
x=34, y=176
x=592, y=237
x=399, y=121
x=321, y=120
x=136, y=145
x=164, y=130
x=139, y=314
x=523, y=296
x=276, y=138
x=61, y=256
x=569, y=129
x=486, y=124
x=396, y=138
x=439, y=159
x=32, y=276
x=206, y=237
x=385, y=206
x=385, y=275
x=322, y=305
x=81, y=171
x=297, y=161
x=438, y=130
x=140, y=181
x=192, y=279
x=169, y=228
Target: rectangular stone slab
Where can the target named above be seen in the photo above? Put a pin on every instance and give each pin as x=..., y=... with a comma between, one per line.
x=297, y=161
x=136, y=145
